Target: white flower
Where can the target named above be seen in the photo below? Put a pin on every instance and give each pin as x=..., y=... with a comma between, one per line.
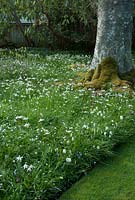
x=64, y=151
x=110, y=133
x=29, y=169
x=72, y=138
x=21, y=118
x=68, y=131
x=68, y=160
x=25, y=118
x=85, y=126
x=47, y=132
x=28, y=90
x=25, y=166
x=68, y=142
x=105, y=133
x=98, y=147
x=121, y=117
x=27, y=125
x=41, y=120
x=130, y=106
x=19, y=158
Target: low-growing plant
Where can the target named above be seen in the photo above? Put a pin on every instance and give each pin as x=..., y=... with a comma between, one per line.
x=50, y=133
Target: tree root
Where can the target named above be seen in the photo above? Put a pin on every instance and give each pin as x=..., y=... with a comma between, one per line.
x=106, y=75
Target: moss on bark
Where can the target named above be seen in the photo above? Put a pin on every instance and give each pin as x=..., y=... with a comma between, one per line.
x=107, y=74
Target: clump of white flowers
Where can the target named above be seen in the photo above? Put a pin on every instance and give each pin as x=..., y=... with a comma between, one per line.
x=68, y=160
x=19, y=158
x=28, y=167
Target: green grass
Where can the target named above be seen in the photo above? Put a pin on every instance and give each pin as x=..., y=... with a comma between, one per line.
x=112, y=180
x=50, y=133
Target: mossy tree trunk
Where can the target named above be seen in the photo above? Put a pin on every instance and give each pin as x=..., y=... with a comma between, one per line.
x=114, y=33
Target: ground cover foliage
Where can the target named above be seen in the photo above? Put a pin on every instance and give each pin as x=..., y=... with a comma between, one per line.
x=51, y=133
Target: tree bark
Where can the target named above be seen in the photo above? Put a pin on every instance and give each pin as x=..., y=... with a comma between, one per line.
x=114, y=33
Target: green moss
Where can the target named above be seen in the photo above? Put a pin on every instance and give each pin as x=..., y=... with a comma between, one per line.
x=106, y=69
x=87, y=76
x=96, y=74
x=90, y=75
x=106, y=73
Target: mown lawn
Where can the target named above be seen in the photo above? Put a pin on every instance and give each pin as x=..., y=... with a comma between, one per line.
x=113, y=179
x=51, y=133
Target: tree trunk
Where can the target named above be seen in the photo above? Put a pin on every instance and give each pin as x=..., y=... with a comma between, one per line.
x=114, y=33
